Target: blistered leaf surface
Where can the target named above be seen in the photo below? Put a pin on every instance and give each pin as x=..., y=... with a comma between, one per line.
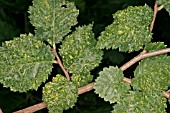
x=24, y=63
x=152, y=74
x=129, y=30
x=60, y=94
x=137, y=102
x=53, y=19
x=79, y=52
x=81, y=79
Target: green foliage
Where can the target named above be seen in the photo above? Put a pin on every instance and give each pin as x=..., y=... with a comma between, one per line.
x=24, y=63
x=137, y=102
x=155, y=46
x=109, y=84
x=81, y=79
x=152, y=78
x=53, y=19
x=129, y=31
x=79, y=52
x=165, y=4
x=60, y=94
x=152, y=75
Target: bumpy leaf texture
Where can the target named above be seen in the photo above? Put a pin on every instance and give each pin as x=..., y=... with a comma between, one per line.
x=110, y=86
x=155, y=46
x=81, y=79
x=24, y=63
x=137, y=102
x=53, y=19
x=152, y=74
x=129, y=31
x=165, y=4
x=60, y=94
x=79, y=52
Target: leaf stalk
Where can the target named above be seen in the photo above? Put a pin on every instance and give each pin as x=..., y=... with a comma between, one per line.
x=61, y=65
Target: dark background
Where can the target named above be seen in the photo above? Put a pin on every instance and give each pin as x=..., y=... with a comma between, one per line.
x=14, y=21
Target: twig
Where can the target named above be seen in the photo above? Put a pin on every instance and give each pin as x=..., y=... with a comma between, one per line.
x=1, y=111
x=85, y=88
x=81, y=90
x=154, y=17
x=142, y=56
x=33, y=108
x=61, y=64
x=127, y=80
x=42, y=105
x=166, y=94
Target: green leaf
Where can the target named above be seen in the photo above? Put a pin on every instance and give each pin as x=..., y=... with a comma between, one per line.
x=60, y=94
x=79, y=52
x=138, y=102
x=152, y=75
x=129, y=31
x=165, y=4
x=53, y=19
x=155, y=46
x=24, y=63
x=81, y=79
x=110, y=86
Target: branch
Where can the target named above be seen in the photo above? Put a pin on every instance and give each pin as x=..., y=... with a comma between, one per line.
x=33, y=108
x=154, y=17
x=166, y=94
x=85, y=88
x=89, y=87
x=61, y=64
x=142, y=56
x=1, y=111
x=42, y=105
